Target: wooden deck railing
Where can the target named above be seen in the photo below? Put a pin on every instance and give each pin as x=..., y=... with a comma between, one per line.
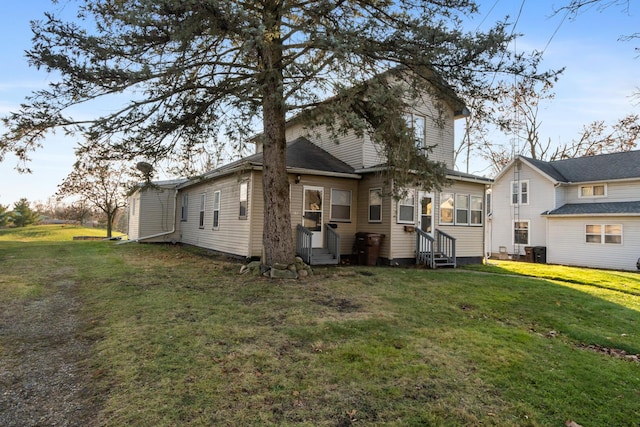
x=303, y=243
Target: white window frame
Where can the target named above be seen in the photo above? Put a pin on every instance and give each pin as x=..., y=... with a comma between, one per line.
x=513, y=232
x=419, y=132
x=184, y=207
x=519, y=194
x=456, y=208
x=592, y=187
x=378, y=192
x=411, y=195
x=216, y=209
x=603, y=234
x=469, y=198
x=333, y=217
x=243, y=201
x=449, y=195
x=471, y=210
x=203, y=198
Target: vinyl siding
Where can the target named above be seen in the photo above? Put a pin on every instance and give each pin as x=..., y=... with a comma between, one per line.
x=133, y=216
x=154, y=214
x=399, y=243
x=233, y=234
x=368, y=182
x=346, y=230
x=616, y=192
x=469, y=238
x=361, y=152
x=567, y=243
x=439, y=130
x=541, y=199
x=349, y=149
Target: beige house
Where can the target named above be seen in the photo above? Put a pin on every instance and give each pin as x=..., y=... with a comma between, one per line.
x=338, y=208
x=583, y=211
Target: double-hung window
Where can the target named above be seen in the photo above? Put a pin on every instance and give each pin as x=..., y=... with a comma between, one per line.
x=460, y=209
x=244, y=191
x=216, y=210
x=406, y=208
x=184, y=206
x=520, y=192
x=202, y=205
x=375, y=205
x=340, y=205
x=476, y=210
x=521, y=232
x=446, y=208
x=417, y=124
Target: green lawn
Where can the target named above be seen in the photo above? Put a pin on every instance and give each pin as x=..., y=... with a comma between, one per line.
x=182, y=339
x=50, y=233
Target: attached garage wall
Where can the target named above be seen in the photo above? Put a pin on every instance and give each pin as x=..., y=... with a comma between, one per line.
x=567, y=245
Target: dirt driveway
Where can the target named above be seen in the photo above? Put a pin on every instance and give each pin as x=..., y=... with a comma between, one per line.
x=43, y=377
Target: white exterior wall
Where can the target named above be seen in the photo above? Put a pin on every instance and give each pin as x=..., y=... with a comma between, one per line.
x=621, y=191
x=567, y=243
x=541, y=198
x=151, y=213
x=133, y=216
x=233, y=233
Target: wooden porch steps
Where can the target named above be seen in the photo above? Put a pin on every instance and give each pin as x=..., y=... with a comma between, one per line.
x=441, y=260
x=322, y=256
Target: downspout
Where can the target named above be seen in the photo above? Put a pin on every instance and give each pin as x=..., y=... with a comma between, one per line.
x=487, y=251
x=164, y=233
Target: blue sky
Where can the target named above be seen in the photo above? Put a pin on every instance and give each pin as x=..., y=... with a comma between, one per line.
x=601, y=74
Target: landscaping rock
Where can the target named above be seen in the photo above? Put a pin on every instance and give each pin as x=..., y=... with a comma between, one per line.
x=254, y=267
x=283, y=274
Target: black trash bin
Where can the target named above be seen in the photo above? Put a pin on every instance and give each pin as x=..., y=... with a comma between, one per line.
x=540, y=254
x=528, y=254
x=368, y=247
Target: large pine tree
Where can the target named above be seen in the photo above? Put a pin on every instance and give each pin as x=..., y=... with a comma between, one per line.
x=191, y=69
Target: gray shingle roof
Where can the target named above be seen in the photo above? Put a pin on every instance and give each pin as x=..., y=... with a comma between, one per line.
x=597, y=209
x=303, y=154
x=592, y=168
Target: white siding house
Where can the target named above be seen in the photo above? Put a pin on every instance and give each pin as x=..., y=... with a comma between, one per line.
x=583, y=211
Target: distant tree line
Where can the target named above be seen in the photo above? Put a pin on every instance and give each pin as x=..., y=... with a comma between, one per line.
x=52, y=210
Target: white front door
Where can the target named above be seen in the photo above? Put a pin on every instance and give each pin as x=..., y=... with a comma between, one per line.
x=312, y=214
x=425, y=209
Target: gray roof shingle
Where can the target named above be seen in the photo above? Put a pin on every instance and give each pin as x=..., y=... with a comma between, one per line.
x=303, y=154
x=602, y=167
x=597, y=209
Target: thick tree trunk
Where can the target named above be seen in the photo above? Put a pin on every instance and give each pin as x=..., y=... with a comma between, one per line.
x=277, y=237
